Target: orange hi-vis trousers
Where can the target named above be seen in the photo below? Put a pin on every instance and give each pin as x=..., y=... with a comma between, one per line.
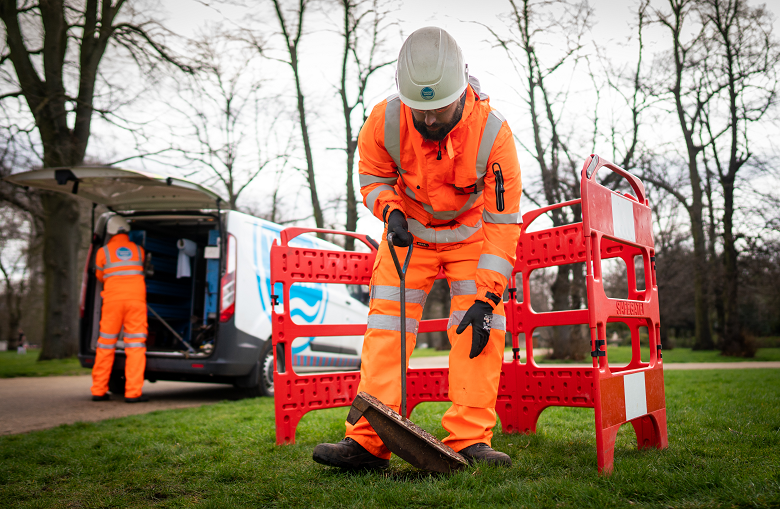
x=115, y=314
x=473, y=383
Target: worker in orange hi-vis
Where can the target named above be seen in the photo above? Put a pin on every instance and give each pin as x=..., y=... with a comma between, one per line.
x=120, y=267
x=439, y=166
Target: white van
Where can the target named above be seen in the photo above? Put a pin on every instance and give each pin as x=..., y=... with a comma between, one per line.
x=215, y=324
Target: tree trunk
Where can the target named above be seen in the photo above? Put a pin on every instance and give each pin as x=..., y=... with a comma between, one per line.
x=734, y=343
x=62, y=238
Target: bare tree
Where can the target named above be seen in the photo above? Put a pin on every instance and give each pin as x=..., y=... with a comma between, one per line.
x=292, y=32
x=558, y=161
x=230, y=123
x=743, y=58
x=689, y=97
x=55, y=50
x=17, y=233
x=363, y=25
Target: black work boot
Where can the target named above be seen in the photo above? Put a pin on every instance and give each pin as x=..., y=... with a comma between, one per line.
x=139, y=399
x=348, y=454
x=485, y=454
x=104, y=397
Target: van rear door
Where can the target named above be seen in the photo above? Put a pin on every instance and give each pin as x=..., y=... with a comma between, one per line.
x=121, y=190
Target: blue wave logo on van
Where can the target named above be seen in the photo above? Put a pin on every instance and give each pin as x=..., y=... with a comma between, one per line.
x=308, y=301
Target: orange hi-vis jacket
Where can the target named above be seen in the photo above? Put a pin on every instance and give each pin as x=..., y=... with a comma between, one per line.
x=120, y=267
x=448, y=189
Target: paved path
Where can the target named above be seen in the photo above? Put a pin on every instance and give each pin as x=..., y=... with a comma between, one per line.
x=28, y=404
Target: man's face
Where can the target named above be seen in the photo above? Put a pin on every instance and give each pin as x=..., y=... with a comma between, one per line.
x=435, y=125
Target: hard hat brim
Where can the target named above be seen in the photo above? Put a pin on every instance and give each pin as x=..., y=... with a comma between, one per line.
x=432, y=105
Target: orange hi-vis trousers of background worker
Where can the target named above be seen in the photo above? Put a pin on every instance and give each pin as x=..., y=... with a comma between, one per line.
x=120, y=268
x=473, y=383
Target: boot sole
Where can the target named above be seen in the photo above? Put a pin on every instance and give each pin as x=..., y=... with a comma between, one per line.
x=338, y=463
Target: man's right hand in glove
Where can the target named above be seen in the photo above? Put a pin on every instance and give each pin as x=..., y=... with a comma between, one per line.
x=397, y=225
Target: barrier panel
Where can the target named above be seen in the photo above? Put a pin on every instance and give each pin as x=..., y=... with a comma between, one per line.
x=614, y=226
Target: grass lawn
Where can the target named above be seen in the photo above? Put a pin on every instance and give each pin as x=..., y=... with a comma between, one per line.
x=724, y=451
x=12, y=365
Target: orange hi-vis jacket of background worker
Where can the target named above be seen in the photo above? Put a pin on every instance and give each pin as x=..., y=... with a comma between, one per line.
x=120, y=268
x=451, y=193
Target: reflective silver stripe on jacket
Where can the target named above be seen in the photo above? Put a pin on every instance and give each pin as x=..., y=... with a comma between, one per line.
x=489, y=135
x=394, y=293
x=135, y=345
x=108, y=336
x=388, y=322
x=124, y=273
x=496, y=264
x=136, y=335
x=465, y=287
x=373, y=195
x=393, y=129
x=366, y=180
x=443, y=236
x=133, y=263
x=496, y=218
x=498, y=322
x=107, y=347
x=452, y=214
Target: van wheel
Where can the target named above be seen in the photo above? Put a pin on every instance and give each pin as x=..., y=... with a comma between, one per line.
x=267, y=369
x=116, y=384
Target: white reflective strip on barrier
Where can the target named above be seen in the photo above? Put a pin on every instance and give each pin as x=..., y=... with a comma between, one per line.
x=623, y=218
x=636, y=395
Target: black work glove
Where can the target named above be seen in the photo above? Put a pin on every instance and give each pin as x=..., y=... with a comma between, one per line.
x=397, y=225
x=479, y=316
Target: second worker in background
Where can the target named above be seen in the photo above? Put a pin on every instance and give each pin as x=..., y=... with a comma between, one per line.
x=439, y=166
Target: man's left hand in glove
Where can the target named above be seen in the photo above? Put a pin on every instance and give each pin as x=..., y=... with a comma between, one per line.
x=480, y=317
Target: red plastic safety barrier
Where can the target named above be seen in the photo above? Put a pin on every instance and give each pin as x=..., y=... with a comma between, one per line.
x=613, y=226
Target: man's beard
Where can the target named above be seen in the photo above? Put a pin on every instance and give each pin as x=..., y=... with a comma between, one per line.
x=441, y=133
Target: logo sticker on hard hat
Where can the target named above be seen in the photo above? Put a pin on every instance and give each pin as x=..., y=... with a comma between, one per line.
x=427, y=93
x=124, y=254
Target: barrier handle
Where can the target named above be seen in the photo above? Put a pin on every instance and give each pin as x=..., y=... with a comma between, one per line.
x=530, y=217
x=402, y=276
x=595, y=163
x=290, y=233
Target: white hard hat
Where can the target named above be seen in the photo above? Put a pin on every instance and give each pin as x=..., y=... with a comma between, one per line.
x=117, y=224
x=431, y=71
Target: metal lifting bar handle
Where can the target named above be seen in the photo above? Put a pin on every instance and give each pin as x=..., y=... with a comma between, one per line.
x=402, y=276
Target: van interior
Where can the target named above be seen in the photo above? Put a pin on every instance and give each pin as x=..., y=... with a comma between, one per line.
x=182, y=282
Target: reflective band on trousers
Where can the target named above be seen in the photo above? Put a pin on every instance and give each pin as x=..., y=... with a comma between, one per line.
x=496, y=218
x=108, y=336
x=135, y=345
x=465, y=287
x=136, y=335
x=444, y=235
x=496, y=264
x=394, y=293
x=498, y=323
x=371, y=198
x=388, y=322
x=123, y=273
x=107, y=347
